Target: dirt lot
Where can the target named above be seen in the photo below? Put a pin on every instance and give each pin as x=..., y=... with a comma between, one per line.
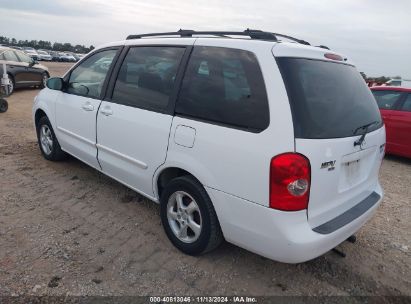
x=66, y=229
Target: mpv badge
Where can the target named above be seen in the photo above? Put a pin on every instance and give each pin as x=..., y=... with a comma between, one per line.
x=330, y=165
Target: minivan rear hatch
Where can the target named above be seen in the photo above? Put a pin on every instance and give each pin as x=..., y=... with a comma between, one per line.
x=332, y=108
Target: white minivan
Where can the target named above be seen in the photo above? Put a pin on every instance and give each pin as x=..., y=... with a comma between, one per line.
x=272, y=145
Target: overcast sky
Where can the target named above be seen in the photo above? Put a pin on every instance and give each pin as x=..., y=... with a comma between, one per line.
x=375, y=34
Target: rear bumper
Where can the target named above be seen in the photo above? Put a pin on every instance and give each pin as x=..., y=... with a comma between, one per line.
x=349, y=215
x=282, y=236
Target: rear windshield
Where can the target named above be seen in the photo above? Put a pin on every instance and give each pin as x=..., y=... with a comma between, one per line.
x=328, y=100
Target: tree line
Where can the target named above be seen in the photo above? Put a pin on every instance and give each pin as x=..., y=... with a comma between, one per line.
x=381, y=79
x=42, y=44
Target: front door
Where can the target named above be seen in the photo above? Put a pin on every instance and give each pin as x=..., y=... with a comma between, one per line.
x=18, y=69
x=401, y=127
x=31, y=74
x=388, y=101
x=77, y=106
x=133, y=125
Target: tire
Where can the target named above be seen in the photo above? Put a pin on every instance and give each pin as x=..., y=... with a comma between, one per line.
x=3, y=105
x=12, y=85
x=200, y=214
x=44, y=78
x=47, y=140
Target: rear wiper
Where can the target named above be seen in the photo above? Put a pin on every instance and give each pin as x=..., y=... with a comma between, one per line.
x=365, y=128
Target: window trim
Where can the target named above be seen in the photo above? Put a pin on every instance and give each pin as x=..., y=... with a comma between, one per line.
x=220, y=123
x=178, y=81
x=103, y=92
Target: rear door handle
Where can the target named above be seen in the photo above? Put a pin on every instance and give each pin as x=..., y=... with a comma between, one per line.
x=88, y=107
x=107, y=111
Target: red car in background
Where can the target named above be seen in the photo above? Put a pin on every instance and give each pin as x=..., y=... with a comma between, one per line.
x=395, y=108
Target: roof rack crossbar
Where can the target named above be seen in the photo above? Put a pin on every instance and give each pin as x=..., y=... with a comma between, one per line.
x=253, y=34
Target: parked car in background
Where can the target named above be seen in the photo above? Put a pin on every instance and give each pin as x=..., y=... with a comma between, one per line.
x=76, y=57
x=16, y=47
x=398, y=82
x=234, y=138
x=395, y=108
x=31, y=52
x=23, y=70
x=55, y=56
x=43, y=55
x=67, y=57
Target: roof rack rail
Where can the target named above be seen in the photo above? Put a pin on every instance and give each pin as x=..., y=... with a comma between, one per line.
x=253, y=34
x=292, y=38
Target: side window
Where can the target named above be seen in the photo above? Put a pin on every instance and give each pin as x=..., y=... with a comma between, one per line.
x=395, y=83
x=10, y=56
x=24, y=58
x=386, y=99
x=87, y=79
x=146, y=77
x=406, y=106
x=225, y=86
x=2, y=56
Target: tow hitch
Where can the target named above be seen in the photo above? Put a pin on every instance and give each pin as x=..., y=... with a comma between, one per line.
x=352, y=239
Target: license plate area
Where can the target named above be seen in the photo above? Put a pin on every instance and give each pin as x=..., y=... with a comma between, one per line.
x=352, y=174
x=355, y=168
x=352, y=170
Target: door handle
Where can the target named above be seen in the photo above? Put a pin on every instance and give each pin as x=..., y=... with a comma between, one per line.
x=88, y=107
x=107, y=111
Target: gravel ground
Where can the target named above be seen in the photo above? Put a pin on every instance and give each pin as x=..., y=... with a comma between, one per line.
x=66, y=229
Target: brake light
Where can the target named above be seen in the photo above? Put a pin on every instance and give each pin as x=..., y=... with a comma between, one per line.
x=333, y=56
x=290, y=179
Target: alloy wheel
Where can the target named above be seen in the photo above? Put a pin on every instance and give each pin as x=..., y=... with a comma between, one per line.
x=45, y=78
x=46, y=139
x=184, y=217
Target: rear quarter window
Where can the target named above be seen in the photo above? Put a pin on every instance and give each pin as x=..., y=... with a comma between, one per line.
x=224, y=86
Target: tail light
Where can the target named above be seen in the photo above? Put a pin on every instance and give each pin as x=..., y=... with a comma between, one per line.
x=290, y=179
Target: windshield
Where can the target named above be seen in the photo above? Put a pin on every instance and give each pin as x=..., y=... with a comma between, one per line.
x=328, y=100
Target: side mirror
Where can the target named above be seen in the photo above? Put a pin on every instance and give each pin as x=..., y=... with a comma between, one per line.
x=33, y=62
x=55, y=83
